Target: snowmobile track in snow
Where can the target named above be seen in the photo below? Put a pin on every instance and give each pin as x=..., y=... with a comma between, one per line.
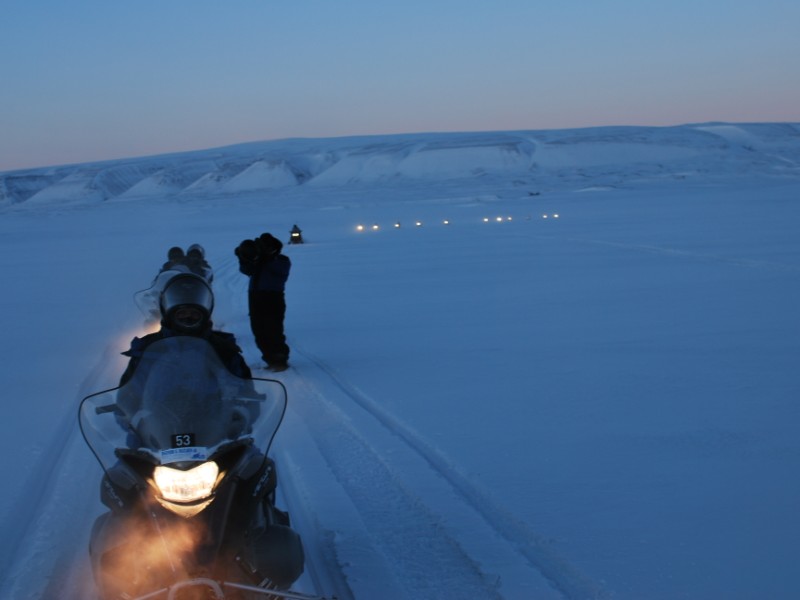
x=377, y=470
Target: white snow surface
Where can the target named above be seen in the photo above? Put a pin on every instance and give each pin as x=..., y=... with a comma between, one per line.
x=602, y=404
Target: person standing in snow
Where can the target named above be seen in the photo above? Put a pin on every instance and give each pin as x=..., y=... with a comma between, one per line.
x=261, y=260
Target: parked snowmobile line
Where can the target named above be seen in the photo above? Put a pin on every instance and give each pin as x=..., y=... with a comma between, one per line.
x=188, y=482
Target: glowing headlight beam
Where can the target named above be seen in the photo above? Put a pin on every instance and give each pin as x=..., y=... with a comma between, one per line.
x=186, y=486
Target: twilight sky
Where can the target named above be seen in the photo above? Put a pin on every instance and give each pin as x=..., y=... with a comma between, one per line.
x=86, y=80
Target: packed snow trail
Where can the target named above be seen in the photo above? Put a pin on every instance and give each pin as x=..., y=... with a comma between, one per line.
x=436, y=533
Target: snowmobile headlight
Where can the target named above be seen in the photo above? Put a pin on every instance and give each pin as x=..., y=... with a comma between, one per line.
x=186, y=486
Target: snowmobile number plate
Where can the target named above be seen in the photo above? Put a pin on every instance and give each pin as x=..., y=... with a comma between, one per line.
x=183, y=440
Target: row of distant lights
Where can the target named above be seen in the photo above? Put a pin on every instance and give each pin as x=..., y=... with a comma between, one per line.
x=376, y=227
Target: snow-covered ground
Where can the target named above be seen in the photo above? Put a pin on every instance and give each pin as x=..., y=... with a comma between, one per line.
x=603, y=404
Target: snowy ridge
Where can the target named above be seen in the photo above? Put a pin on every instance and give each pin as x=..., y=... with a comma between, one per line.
x=555, y=159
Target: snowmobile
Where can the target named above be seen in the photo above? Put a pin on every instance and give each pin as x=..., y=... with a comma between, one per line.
x=188, y=483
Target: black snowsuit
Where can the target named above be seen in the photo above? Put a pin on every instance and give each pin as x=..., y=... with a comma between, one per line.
x=267, y=305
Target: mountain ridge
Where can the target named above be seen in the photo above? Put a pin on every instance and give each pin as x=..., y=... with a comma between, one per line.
x=550, y=159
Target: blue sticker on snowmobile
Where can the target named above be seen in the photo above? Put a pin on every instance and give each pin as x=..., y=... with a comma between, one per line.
x=179, y=454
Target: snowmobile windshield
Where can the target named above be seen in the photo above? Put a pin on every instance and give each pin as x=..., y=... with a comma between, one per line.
x=181, y=404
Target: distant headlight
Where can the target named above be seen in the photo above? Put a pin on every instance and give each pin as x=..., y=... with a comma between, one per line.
x=186, y=486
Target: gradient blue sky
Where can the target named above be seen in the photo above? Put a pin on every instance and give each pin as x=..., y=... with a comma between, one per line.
x=86, y=80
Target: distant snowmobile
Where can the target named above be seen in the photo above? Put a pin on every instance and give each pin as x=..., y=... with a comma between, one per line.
x=188, y=482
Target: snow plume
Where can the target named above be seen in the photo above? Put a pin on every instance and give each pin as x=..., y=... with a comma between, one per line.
x=142, y=553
